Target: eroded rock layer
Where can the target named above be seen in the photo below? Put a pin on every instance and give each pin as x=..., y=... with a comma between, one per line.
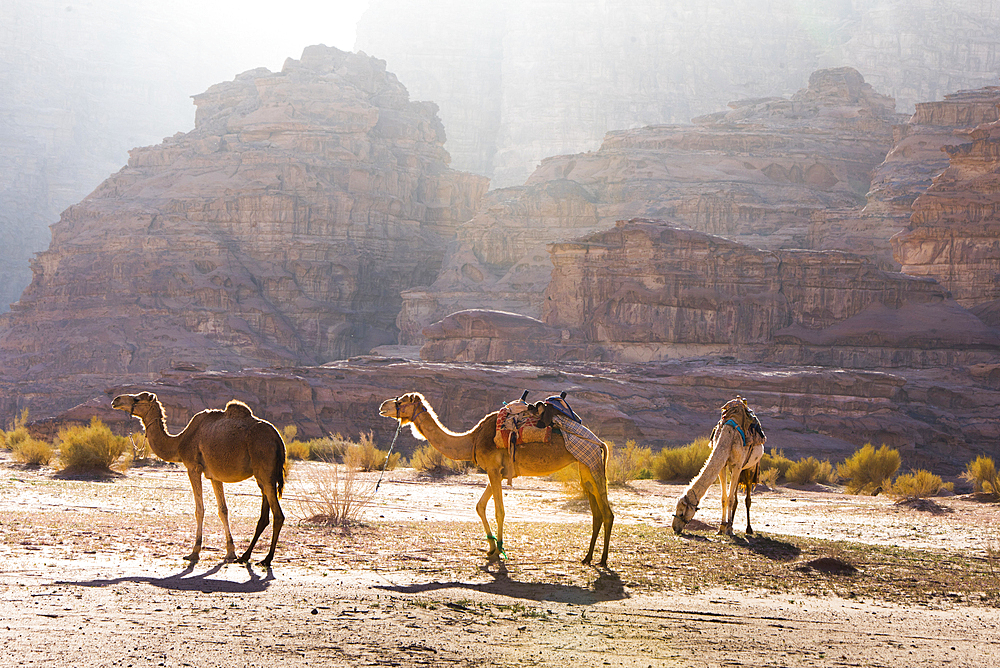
x=953, y=234
x=769, y=172
x=281, y=230
x=938, y=420
x=647, y=290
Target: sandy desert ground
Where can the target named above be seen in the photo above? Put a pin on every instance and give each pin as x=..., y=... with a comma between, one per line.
x=93, y=575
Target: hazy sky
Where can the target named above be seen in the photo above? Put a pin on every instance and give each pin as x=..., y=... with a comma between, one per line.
x=264, y=33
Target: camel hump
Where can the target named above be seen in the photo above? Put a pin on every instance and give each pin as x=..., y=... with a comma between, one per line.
x=238, y=409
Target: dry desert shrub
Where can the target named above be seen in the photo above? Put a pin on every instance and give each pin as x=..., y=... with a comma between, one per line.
x=982, y=473
x=364, y=456
x=681, y=463
x=429, y=460
x=919, y=485
x=869, y=469
x=12, y=438
x=629, y=463
x=336, y=497
x=569, y=478
x=810, y=470
x=90, y=448
x=33, y=451
x=768, y=478
x=775, y=461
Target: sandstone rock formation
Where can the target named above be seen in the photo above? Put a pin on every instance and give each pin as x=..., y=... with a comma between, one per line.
x=769, y=172
x=647, y=290
x=954, y=232
x=521, y=81
x=918, y=155
x=281, y=230
x=84, y=82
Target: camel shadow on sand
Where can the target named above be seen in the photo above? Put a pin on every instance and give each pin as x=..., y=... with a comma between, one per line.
x=607, y=587
x=185, y=581
x=769, y=548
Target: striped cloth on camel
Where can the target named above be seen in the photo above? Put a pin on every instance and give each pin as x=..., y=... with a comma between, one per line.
x=584, y=445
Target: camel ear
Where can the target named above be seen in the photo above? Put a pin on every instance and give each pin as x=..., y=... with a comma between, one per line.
x=147, y=396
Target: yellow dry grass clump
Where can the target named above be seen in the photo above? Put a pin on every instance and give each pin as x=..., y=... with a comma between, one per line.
x=983, y=475
x=681, y=463
x=869, y=469
x=91, y=448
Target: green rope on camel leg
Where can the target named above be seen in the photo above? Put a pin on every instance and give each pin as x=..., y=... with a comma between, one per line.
x=500, y=550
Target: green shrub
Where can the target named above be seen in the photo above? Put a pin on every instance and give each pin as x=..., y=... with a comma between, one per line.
x=33, y=451
x=91, y=448
x=919, y=485
x=868, y=469
x=777, y=461
x=810, y=470
x=429, y=460
x=682, y=463
x=628, y=463
x=982, y=473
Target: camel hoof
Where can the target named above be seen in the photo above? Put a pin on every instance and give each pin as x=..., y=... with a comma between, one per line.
x=193, y=558
x=749, y=531
x=586, y=561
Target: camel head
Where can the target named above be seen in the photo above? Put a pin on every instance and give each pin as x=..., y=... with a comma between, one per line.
x=136, y=404
x=684, y=513
x=403, y=408
x=406, y=408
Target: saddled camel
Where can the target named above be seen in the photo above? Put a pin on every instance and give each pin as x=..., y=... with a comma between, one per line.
x=531, y=459
x=227, y=445
x=737, y=446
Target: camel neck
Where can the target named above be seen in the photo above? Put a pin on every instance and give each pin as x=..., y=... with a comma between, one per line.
x=709, y=472
x=448, y=443
x=163, y=445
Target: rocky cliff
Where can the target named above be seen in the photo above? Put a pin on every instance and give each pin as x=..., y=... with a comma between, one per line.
x=953, y=234
x=939, y=420
x=281, y=230
x=522, y=81
x=647, y=290
x=773, y=173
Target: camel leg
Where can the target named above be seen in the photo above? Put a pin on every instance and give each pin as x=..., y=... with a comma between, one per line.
x=268, y=505
x=601, y=511
x=481, y=510
x=220, y=501
x=199, y=513
x=595, y=512
x=749, y=528
x=495, y=483
x=724, y=529
x=269, y=500
x=731, y=500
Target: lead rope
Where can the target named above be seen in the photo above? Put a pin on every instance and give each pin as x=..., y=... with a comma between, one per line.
x=385, y=464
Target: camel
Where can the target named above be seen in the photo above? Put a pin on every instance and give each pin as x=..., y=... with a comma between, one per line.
x=737, y=446
x=227, y=445
x=530, y=459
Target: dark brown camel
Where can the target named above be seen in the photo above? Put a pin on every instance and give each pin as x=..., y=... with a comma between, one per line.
x=226, y=446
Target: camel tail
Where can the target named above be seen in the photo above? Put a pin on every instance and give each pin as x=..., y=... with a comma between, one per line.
x=281, y=464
